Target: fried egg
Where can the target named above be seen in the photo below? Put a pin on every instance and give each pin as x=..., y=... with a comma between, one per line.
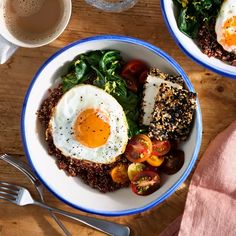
x=89, y=124
x=225, y=27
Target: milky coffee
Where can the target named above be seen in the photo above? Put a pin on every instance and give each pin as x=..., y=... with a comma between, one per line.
x=33, y=21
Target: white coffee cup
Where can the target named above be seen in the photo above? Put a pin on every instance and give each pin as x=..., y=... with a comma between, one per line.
x=9, y=43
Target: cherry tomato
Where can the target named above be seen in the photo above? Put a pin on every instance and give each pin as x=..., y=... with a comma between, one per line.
x=160, y=148
x=131, y=72
x=174, y=145
x=134, y=68
x=173, y=162
x=143, y=77
x=139, y=148
x=134, y=169
x=155, y=160
x=119, y=174
x=132, y=84
x=152, y=168
x=145, y=182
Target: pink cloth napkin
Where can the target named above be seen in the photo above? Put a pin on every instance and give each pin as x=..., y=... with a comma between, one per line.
x=210, y=208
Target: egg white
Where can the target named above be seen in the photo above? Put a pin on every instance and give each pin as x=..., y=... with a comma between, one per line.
x=72, y=103
x=228, y=10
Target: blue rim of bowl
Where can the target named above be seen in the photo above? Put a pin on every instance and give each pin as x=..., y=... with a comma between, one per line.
x=192, y=57
x=198, y=124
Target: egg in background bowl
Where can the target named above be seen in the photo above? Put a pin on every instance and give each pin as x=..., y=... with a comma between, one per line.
x=71, y=190
x=225, y=27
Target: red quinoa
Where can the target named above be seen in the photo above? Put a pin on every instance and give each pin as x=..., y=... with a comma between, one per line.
x=44, y=113
x=207, y=41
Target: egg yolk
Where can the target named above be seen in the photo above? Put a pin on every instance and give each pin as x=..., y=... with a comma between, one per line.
x=229, y=32
x=92, y=128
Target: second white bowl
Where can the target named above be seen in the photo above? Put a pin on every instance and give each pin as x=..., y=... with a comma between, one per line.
x=189, y=47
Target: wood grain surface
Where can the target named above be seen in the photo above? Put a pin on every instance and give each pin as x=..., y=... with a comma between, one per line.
x=217, y=97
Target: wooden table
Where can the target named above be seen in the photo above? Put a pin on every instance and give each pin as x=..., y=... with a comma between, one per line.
x=217, y=96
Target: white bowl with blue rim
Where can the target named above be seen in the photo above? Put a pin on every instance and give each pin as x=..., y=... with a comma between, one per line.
x=189, y=47
x=71, y=190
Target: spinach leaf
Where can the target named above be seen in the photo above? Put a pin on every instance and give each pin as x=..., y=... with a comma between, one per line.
x=80, y=70
x=93, y=58
x=107, y=77
x=75, y=77
x=111, y=62
x=117, y=88
x=68, y=81
x=130, y=104
x=181, y=3
x=130, y=101
x=134, y=129
x=187, y=24
x=100, y=81
x=192, y=13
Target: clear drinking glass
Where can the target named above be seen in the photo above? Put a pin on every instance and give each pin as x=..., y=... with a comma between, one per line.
x=112, y=5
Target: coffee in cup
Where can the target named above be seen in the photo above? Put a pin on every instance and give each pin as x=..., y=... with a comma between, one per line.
x=33, y=21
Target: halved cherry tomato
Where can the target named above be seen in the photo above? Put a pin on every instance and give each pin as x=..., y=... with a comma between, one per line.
x=145, y=182
x=152, y=168
x=134, y=169
x=119, y=174
x=160, y=148
x=131, y=72
x=174, y=145
x=173, y=162
x=132, y=84
x=139, y=148
x=134, y=68
x=155, y=160
x=143, y=77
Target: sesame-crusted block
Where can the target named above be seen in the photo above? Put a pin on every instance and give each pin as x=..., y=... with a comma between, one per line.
x=177, y=79
x=151, y=89
x=173, y=114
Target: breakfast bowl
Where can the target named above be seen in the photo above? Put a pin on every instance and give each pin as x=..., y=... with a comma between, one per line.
x=189, y=46
x=72, y=190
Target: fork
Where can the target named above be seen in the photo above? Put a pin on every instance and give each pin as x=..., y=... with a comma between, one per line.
x=22, y=197
x=25, y=169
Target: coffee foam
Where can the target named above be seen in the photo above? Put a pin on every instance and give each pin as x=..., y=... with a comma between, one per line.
x=27, y=8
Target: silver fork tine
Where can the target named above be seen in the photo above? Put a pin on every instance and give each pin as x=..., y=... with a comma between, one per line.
x=8, y=189
x=7, y=194
x=7, y=199
x=10, y=185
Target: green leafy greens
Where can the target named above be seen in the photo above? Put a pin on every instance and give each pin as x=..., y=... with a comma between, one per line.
x=191, y=14
x=102, y=69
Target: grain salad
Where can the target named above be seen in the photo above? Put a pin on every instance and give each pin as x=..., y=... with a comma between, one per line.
x=100, y=125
